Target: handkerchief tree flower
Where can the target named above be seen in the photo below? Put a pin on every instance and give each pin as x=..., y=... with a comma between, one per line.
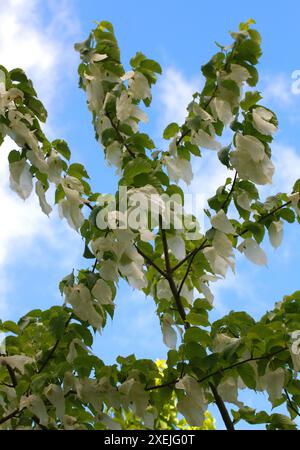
x=49, y=377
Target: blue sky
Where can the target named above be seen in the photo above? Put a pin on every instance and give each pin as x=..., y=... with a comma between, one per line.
x=36, y=252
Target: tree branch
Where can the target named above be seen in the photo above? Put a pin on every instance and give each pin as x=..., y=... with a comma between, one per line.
x=194, y=253
x=290, y=402
x=52, y=351
x=12, y=375
x=224, y=369
x=239, y=363
x=169, y=276
x=266, y=217
x=151, y=262
x=222, y=408
x=120, y=136
x=202, y=246
x=230, y=192
x=10, y=416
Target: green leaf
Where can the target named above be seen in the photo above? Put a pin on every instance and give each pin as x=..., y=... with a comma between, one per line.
x=231, y=86
x=196, y=319
x=104, y=24
x=249, y=50
x=137, y=59
x=62, y=148
x=195, y=334
x=194, y=149
x=170, y=130
x=251, y=98
x=136, y=167
x=223, y=155
x=78, y=171
x=209, y=70
x=151, y=65
x=14, y=156
x=87, y=253
x=247, y=374
x=140, y=141
x=18, y=75
x=282, y=422
x=108, y=136
x=9, y=325
x=38, y=108
x=296, y=187
x=59, y=193
x=57, y=326
x=287, y=214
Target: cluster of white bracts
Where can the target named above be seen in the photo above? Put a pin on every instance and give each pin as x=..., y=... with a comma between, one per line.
x=127, y=111
x=21, y=179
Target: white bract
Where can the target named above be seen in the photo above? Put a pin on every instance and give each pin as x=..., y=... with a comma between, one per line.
x=179, y=169
x=276, y=233
x=251, y=161
x=221, y=222
x=21, y=178
x=55, y=395
x=205, y=140
x=261, y=121
x=169, y=334
x=194, y=404
x=126, y=109
x=40, y=191
x=81, y=300
x=253, y=252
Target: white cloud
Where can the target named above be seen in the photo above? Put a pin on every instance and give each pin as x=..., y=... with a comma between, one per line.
x=277, y=89
x=175, y=93
x=287, y=162
x=36, y=36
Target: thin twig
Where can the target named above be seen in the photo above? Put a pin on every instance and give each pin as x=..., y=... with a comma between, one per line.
x=230, y=192
x=222, y=408
x=195, y=252
x=169, y=276
x=266, y=216
x=290, y=402
x=10, y=416
x=221, y=370
x=12, y=375
x=120, y=136
x=189, y=255
x=52, y=351
x=151, y=262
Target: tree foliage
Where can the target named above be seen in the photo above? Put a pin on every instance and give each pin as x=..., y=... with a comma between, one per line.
x=49, y=377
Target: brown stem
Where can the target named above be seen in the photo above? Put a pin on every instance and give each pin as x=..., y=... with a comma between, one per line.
x=232, y=366
x=266, y=216
x=52, y=351
x=222, y=408
x=169, y=276
x=290, y=403
x=202, y=246
x=12, y=375
x=151, y=262
x=230, y=192
x=9, y=416
x=120, y=136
